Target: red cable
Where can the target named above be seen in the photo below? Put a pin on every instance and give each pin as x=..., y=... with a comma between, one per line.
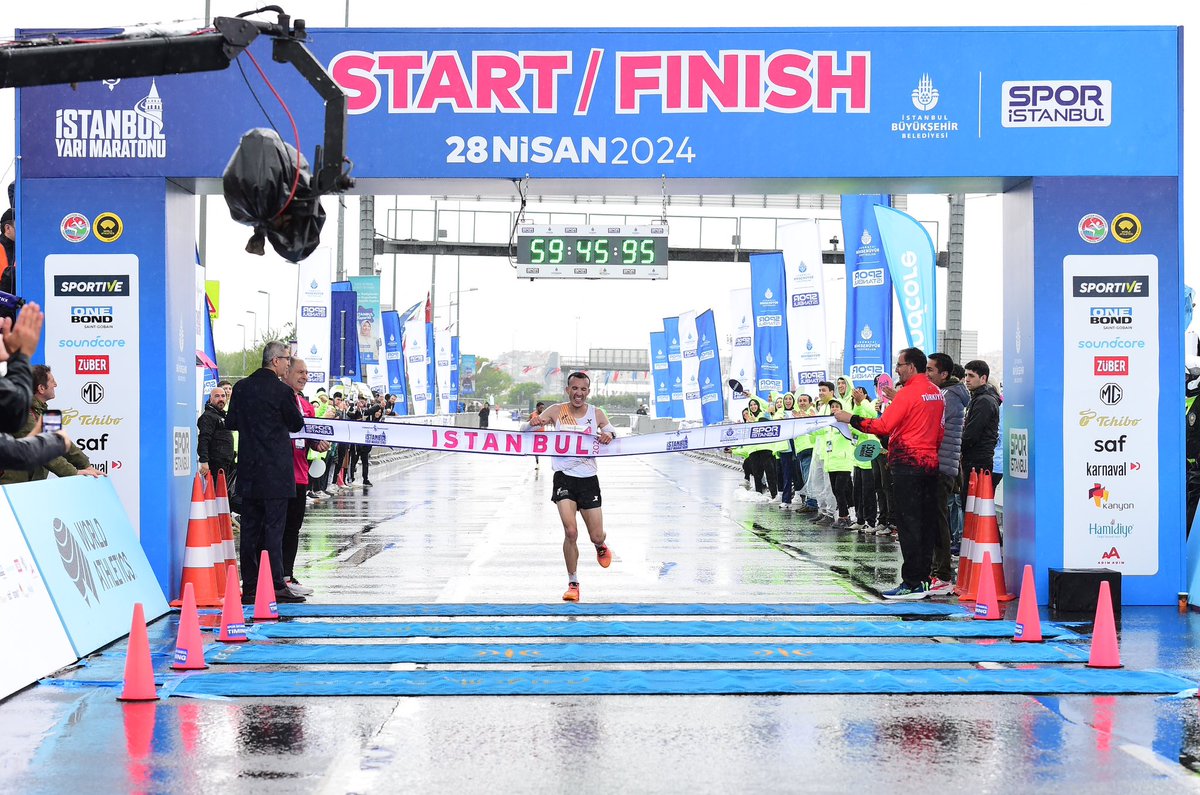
x=296, y=132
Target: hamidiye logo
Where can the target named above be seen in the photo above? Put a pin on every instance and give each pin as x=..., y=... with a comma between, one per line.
x=925, y=96
x=113, y=133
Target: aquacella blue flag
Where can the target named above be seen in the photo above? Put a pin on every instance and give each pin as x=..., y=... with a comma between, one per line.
x=911, y=260
x=660, y=373
x=770, y=327
x=674, y=366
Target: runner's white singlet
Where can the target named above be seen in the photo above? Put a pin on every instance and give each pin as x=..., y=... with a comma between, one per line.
x=575, y=467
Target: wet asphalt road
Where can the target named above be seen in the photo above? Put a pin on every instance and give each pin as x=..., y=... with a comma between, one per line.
x=465, y=528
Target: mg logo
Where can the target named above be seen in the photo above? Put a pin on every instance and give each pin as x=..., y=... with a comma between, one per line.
x=1111, y=394
x=92, y=393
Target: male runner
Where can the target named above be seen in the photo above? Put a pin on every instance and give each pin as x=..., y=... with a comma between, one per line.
x=576, y=487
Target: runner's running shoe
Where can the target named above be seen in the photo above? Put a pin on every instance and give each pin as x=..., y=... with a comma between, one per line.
x=604, y=557
x=910, y=592
x=572, y=594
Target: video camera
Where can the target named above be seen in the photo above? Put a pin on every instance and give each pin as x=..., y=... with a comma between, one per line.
x=10, y=301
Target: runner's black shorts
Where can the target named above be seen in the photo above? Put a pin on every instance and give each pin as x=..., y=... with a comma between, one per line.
x=584, y=492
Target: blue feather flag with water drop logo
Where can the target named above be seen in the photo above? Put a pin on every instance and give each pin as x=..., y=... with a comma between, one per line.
x=868, y=293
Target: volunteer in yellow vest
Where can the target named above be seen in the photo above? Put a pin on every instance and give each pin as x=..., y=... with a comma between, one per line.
x=866, y=448
x=839, y=463
x=804, y=452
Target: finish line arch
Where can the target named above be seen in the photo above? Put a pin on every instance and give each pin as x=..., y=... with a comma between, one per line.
x=1076, y=126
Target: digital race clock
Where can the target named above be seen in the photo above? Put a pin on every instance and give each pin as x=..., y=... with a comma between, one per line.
x=592, y=252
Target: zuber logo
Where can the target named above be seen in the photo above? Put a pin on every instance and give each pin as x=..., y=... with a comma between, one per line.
x=318, y=429
x=1110, y=365
x=91, y=285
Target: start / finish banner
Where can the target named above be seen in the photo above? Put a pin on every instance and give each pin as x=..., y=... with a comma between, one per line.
x=563, y=443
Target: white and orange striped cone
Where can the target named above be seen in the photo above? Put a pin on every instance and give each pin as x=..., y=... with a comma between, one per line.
x=198, y=567
x=987, y=539
x=226, y=521
x=968, y=539
x=214, y=530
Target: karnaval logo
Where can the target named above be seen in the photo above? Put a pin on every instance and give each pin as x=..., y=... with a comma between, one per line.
x=134, y=133
x=70, y=551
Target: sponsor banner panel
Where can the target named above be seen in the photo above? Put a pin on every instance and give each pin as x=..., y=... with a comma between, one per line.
x=91, y=343
x=312, y=320
x=674, y=366
x=88, y=555
x=804, y=273
x=368, y=328
x=416, y=362
x=711, y=386
x=658, y=359
x=26, y=613
x=868, y=293
x=689, y=357
x=1110, y=426
x=768, y=296
x=442, y=358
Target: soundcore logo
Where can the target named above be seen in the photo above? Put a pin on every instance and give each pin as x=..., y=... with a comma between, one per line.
x=136, y=132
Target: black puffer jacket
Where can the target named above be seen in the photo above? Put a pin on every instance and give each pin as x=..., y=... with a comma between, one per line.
x=214, y=442
x=16, y=393
x=982, y=431
x=30, y=452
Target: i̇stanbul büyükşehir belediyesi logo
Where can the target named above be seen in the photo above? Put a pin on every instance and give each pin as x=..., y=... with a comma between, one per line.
x=135, y=132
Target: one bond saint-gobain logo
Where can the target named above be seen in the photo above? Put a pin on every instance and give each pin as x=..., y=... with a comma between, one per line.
x=135, y=132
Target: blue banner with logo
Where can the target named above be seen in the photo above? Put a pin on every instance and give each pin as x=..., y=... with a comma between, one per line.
x=466, y=382
x=911, y=260
x=393, y=353
x=712, y=389
x=432, y=368
x=660, y=372
x=454, y=374
x=868, y=293
x=674, y=366
x=770, y=326
x=343, y=337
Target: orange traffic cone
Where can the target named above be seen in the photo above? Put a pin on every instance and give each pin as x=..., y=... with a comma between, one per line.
x=216, y=543
x=189, y=646
x=986, y=606
x=1029, y=623
x=968, y=539
x=197, y=557
x=987, y=539
x=226, y=521
x=1105, y=653
x=264, y=596
x=233, y=620
x=139, y=669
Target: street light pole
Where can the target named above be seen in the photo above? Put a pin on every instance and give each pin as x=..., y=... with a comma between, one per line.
x=254, y=338
x=268, y=295
x=242, y=326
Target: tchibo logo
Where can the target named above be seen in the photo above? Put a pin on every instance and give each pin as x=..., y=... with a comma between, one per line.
x=806, y=299
x=1110, y=365
x=1111, y=316
x=314, y=311
x=317, y=429
x=1056, y=103
x=91, y=285
x=868, y=277
x=113, y=133
x=92, y=315
x=1129, y=286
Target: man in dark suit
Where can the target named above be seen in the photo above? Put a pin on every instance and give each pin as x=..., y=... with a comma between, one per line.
x=263, y=410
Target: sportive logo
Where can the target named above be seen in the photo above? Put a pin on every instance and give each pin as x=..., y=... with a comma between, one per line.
x=1093, y=228
x=1110, y=445
x=91, y=365
x=74, y=228
x=1111, y=394
x=925, y=96
x=113, y=133
x=91, y=285
x=1110, y=365
x=314, y=311
x=1114, y=317
x=1131, y=286
x=868, y=277
x=806, y=299
x=1056, y=103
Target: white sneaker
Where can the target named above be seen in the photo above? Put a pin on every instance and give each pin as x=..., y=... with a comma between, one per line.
x=298, y=589
x=325, y=493
x=883, y=530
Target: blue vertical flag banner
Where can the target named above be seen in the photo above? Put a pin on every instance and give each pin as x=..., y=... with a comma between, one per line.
x=674, y=366
x=911, y=260
x=369, y=327
x=712, y=387
x=689, y=341
x=808, y=351
x=416, y=362
x=454, y=374
x=343, y=341
x=770, y=328
x=660, y=373
x=431, y=366
x=393, y=353
x=868, y=292
x=312, y=320
x=466, y=375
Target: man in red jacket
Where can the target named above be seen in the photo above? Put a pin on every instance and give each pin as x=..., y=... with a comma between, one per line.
x=913, y=424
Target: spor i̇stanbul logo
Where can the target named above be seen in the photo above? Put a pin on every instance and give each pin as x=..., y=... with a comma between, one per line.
x=133, y=133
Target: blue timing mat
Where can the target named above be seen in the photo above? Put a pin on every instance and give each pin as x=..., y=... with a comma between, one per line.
x=481, y=653
x=682, y=629
x=1042, y=681
x=619, y=609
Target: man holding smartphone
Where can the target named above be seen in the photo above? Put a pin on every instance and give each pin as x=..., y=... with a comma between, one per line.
x=18, y=339
x=74, y=461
